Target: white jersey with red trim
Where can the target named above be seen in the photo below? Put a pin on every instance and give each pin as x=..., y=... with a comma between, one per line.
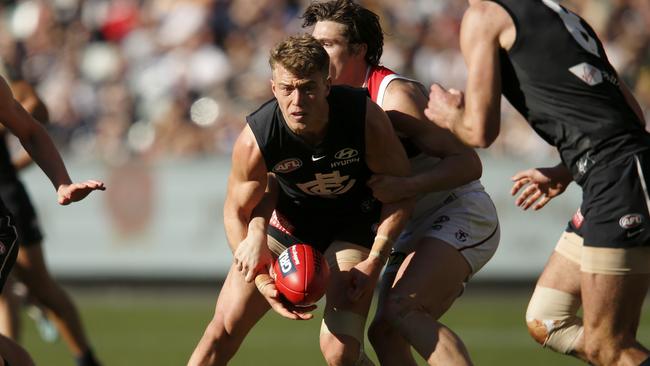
x=377, y=80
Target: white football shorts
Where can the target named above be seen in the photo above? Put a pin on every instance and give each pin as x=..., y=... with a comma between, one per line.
x=466, y=220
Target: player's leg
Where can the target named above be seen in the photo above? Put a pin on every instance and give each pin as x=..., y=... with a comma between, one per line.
x=342, y=330
x=32, y=271
x=552, y=315
x=389, y=345
x=9, y=312
x=429, y=281
x=612, y=305
x=615, y=262
x=452, y=242
x=239, y=307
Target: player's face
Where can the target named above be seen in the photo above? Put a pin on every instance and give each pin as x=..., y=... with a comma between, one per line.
x=302, y=100
x=332, y=37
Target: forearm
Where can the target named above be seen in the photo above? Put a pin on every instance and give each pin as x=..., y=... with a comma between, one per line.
x=236, y=229
x=392, y=221
x=446, y=174
x=40, y=147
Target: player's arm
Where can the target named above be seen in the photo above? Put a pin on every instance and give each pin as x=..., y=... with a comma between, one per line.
x=541, y=185
x=475, y=117
x=404, y=103
x=384, y=155
x=40, y=147
x=246, y=212
x=25, y=94
x=246, y=185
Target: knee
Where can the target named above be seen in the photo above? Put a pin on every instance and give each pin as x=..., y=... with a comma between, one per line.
x=399, y=307
x=552, y=321
x=337, y=353
x=219, y=341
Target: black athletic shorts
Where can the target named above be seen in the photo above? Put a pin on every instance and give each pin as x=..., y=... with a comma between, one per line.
x=615, y=204
x=8, y=245
x=18, y=203
x=292, y=224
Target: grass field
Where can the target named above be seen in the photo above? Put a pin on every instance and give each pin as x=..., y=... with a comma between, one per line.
x=143, y=328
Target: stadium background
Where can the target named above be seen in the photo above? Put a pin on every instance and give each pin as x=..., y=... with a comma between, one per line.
x=149, y=96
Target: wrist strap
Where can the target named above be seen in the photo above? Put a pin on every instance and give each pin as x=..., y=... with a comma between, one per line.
x=262, y=281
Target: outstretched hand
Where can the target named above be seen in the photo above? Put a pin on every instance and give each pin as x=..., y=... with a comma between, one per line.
x=281, y=306
x=68, y=193
x=541, y=186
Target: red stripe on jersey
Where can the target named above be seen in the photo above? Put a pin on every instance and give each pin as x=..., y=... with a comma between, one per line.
x=375, y=76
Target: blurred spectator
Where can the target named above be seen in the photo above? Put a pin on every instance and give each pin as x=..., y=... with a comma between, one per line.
x=156, y=78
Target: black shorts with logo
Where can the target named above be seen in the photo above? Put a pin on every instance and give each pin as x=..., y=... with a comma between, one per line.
x=18, y=203
x=615, y=206
x=292, y=224
x=8, y=245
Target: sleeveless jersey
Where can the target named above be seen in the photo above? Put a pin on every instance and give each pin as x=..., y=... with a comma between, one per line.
x=329, y=177
x=377, y=80
x=558, y=77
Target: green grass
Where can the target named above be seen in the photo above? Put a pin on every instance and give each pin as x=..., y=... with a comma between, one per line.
x=131, y=328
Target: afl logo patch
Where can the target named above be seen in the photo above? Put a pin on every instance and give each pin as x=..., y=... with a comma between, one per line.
x=346, y=153
x=287, y=165
x=630, y=221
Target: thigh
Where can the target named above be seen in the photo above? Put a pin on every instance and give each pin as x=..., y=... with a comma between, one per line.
x=612, y=303
x=467, y=222
x=433, y=275
x=341, y=257
x=240, y=305
x=562, y=271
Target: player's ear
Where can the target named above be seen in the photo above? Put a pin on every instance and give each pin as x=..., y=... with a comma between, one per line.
x=272, y=86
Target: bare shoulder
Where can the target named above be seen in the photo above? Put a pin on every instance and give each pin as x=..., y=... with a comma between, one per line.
x=402, y=93
x=245, y=148
x=485, y=19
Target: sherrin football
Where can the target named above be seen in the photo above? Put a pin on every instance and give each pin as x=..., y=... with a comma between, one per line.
x=301, y=274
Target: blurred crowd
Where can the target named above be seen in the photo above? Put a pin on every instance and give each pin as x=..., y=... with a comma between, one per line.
x=176, y=78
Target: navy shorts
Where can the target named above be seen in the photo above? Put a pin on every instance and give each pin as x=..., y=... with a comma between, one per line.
x=8, y=245
x=614, y=211
x=18, y=203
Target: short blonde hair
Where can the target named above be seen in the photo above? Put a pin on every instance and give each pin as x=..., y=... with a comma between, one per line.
x=302, y=55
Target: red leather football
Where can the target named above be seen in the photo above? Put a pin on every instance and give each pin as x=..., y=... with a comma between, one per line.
x=301, y=274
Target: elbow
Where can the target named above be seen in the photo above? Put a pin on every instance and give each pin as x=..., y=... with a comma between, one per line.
x=480, y=140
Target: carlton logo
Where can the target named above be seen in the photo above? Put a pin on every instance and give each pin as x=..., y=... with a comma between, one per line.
x=287, y=165
x=285, y=264
x=630, y=221
x=346, y=153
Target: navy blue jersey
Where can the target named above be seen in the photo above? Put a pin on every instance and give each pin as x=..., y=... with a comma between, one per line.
x=558, y=77
x=330, y=177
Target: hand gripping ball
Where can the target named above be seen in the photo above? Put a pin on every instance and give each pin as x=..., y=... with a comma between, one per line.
x=301, y=274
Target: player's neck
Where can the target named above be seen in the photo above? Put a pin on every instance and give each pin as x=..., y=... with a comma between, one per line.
x=356, y=75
